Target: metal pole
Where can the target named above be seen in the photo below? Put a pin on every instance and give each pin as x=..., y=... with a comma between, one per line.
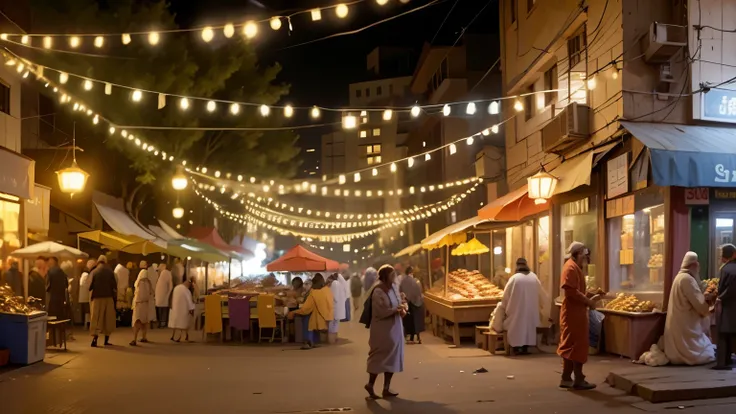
x=447, y=267
x=429, y=258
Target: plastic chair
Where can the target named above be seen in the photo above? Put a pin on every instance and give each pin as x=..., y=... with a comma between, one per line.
x=267, y=316
x=212, y=316
x=239, y=314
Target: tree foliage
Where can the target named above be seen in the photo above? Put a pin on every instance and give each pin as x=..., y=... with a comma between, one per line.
x=181, y=64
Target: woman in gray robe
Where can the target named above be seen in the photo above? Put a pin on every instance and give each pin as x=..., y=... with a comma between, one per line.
x=414, y=320
x=386, y=355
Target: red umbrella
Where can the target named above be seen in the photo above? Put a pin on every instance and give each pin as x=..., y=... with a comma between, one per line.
x=299, y=259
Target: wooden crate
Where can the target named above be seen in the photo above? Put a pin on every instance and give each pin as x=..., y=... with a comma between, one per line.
x=631, y=334
x=457, y=319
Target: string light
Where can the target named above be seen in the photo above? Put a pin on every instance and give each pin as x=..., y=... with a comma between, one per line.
x=415, y=111
x=427, y=157
x=228, y=30
x=125, y=38
x=184, y=104
x=388, y=114
x=374, y=172
x=316, y=14
x=99, y=41
x=494, y=129
x=63, y=77
x=349, y=122
x=614, y=71
x=315, y=113
x=446, y=110
x=356, y=177
x=591, y=83
x=234, y=109
x=265, y=110
x=470, y=109
x=74, y=42
x=493, y=108
x=410, y=162
x=112, y=130
x=381, y=2
x=342, y=11
x=250, y=29
x=486, y=132
x=453, y=149
x=211, y=106
x=208, y=34
x=518, y=106
x=136, y=96
x=288, y=111
x=47, y=42
x=341, y=179
x=393, y=167
x=24, y=39
x=275, y=23
x=153, y=38
x=470, y=140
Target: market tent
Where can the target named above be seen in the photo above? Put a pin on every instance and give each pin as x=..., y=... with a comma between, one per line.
x=124, y=243
x=122, y=222
x=299, y=259
x=410, y=250
x=210, y=236
x=451, y=235
x=49, y=249
x=173, y=234
x=185, y=248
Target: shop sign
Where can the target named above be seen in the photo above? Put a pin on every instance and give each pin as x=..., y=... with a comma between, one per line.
x=37, y=210
x=697, y=196
x=618, y=176
x=723, y=194
x=719, y=105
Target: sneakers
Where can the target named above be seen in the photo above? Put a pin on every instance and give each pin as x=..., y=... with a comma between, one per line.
x=566, y=384
x=583, y=386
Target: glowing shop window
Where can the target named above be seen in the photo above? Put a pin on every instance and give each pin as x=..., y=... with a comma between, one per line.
x=363, y=134
x=724, y=222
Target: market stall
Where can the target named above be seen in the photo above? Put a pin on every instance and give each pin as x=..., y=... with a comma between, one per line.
x=631, y=325
x=461, y=299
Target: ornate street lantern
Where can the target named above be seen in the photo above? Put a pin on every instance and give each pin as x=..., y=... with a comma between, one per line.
x=73, y=179
x=541, y=186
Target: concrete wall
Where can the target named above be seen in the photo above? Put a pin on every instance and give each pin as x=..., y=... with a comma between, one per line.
x=10, y=123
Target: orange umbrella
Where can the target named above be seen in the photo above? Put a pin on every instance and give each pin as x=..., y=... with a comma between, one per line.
x=299, y=259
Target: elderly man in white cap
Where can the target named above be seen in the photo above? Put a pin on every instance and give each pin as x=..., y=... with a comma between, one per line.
x=574, y=339
x=686, y=340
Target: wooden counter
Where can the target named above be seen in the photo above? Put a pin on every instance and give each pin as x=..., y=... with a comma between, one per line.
x=630, y=334
x=448, y=316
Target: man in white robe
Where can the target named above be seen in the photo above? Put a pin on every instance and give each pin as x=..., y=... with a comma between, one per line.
x=122, y=276
x=182, y=309
x=523, y=301
x=164, y=286
x=338, y=300
x=686, y=341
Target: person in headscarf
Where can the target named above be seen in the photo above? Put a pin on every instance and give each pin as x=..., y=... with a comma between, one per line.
x=386, y=341
x=574, y=334
x=182, y=310
x=103, y=290
x=177, y=272
x=356, y=289
x=164, y=288
x=84, y=282
x=153, y=277
x=320, y=307
x=686, y=340
x=726, y=308
x=13, y=277
x=56, y=286
x=414, y=320
x=37, y=281
x=338, y=305
x=143, y=305
x=523, y=301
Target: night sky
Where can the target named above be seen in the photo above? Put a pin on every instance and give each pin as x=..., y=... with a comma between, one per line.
x=320, y=72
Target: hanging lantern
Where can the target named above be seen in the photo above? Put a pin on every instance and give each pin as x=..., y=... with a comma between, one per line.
x=179, y=180
x=177, y=212
x=541, y=186
x=73, y=179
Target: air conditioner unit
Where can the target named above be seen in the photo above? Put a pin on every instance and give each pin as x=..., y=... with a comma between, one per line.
x=663, y=41
x=567, y=130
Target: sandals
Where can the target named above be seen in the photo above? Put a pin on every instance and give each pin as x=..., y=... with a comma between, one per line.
x=143, y=341
x=371, y=394
x=132, y=343
x=389, y=394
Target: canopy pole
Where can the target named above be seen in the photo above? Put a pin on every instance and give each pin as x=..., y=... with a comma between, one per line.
x=447, y=268
x=206, y=276
x=429, y=258
x=229, y=271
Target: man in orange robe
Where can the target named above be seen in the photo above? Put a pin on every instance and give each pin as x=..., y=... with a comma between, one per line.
x=574, y=340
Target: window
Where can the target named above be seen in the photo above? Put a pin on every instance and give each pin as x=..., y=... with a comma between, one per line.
x=376, y=132
x=374, y=159
x=574, y=78
x=512, y=9
x=364, y=120
x=358, y=93
x=529, y=107
x=579, y=222
x=530, y=5
x=367, y=92
x=363, y=134
x=379, y=91
x=373, y=149
x=575, y=46
x=550, y=82
x=4, y=98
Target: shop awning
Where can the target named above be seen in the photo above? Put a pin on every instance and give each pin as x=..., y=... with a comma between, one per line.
x=299, y=259
x=122, y=223
x=210, y=236
x=124, y=243
x=513, y=206
x=184, y=248
x=173, y=234
x=451, y=235
x=17, y=173
x=688, y=155
x=575, y=172
x=410, y=250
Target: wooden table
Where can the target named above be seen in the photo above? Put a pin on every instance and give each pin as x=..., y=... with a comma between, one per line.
x=630, y=334
x=458, y=318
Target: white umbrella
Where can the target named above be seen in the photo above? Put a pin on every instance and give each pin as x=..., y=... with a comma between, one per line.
x=49, y=248
x=408, y=251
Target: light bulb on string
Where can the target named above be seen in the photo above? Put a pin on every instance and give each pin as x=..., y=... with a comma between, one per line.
x=63, y=77
x=410, y=162
x=453, y=149
x=381, y=2
x=342, y=11
x=25, y=74
x=136, y=95
x=288, y=111
x=494, y=129
x=112, y=130
x=375, y=172
x=24, y=39
x=96, y=120
x=518, y=106
x=234, y=109
x=356, y=177
x=125, y=38
x=427, y=157
x=470, y=140
x=211, y=106
x=349, y=121
x=20, y=67
x=99, y=41
x=275, y=23
x=493, y=108
x=388, y=114
x=208, y=34
x=153, y=38
x=315, y=113
x=591, y=83
x=316, y=14
x=47, y=42
x=614, y=71
x=470, y=109
x=184, y=104
x=415, y=111
x=250, y=29
x=393, y=167
x=228, y=30
x=341, y=179
x=265, y=110
x=74, y=42
x=486, y=132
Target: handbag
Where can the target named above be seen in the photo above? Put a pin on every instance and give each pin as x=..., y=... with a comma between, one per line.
x=367, y=315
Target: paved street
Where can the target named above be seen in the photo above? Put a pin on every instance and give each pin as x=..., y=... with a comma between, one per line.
x=165, y=377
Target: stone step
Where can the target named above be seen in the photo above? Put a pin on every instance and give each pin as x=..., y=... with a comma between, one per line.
x=666, y=384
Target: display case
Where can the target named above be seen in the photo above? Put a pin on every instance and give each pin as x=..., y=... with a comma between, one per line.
x=469, y=301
